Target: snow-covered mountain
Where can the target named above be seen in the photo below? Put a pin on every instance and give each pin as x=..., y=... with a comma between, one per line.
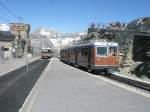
x=46, y=32
x=45, y=37
x=4, y=27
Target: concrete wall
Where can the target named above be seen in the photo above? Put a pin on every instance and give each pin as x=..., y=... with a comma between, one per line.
x=141, y=48
x=5, y=55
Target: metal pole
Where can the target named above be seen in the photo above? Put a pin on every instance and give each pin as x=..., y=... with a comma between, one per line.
x=36, y=47
x=27, y=44
x=27, y=65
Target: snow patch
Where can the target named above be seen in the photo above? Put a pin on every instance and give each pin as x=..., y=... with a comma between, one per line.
x=56, y=38
x=4, y=27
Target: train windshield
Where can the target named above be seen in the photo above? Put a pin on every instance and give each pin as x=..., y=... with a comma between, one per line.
x=112, y=51
x=102, y=51
x=44, y=52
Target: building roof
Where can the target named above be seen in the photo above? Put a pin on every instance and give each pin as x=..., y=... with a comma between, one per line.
x=6, y=36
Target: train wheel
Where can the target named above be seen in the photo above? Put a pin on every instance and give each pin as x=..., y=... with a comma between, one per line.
x=68, y=63
x=76, y=65
x=89, y=69
x=111, y=70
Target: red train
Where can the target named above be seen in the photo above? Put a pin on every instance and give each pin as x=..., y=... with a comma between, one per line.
x=93, y=55
x=46, y=53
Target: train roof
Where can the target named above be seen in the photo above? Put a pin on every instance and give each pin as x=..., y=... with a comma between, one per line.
x=93, y=43
x=96, y=43
x=46, y=48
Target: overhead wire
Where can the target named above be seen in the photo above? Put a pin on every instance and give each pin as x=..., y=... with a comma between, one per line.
x=8, y=10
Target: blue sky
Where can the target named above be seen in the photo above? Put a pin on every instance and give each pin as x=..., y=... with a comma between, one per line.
x=74, y=15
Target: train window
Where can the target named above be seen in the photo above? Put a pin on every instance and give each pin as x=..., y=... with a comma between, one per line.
x=102, y=51
x=73, y=51
x=84, y=51
x=112, y=51
x=44, y=52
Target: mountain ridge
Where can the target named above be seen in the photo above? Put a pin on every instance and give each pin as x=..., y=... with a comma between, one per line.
x=55, y=39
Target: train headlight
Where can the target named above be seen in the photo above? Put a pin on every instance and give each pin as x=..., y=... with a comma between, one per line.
x=98, y=60
x=117, y=60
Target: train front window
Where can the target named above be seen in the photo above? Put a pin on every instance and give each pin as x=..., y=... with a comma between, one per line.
x=112, y=51
x=44, y=52
x=102, y=51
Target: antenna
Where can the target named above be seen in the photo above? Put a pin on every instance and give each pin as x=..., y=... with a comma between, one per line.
x=20, y=19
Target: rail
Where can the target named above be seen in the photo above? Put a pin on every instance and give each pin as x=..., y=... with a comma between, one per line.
x=131, y=81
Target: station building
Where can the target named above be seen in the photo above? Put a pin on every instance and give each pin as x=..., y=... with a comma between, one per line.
x=21, y=32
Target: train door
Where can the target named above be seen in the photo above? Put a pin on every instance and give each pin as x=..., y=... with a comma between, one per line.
x=68, y=55
x=76, y=57
x=89, y=58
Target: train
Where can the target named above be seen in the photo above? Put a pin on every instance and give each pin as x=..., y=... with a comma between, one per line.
x=94, y=55
x=46, y=53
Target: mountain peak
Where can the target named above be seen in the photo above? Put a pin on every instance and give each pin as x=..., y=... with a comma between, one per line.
x=43, y=31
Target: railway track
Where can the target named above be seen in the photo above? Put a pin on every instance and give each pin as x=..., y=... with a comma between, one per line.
x=144, y=85
x=16, y=85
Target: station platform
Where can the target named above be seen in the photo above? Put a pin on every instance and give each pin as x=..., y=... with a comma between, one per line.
x=13, y=64
x=63, y=88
